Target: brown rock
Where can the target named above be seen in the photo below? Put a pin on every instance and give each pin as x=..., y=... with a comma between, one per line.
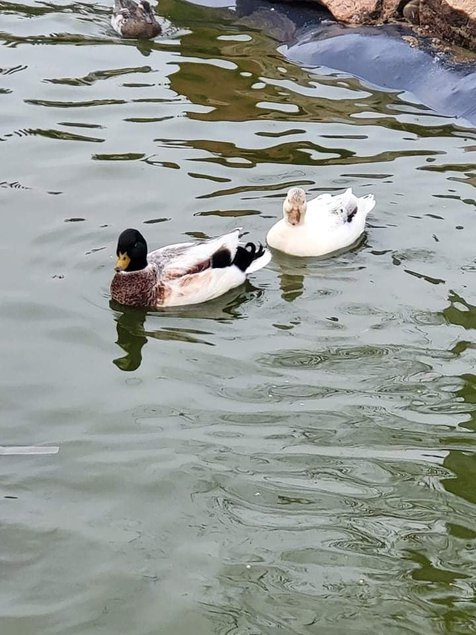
x=452, y=20
x=353, y=10
x=391, y=10
x=363, y=11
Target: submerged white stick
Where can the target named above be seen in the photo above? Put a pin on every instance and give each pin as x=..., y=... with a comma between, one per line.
x=29, y=449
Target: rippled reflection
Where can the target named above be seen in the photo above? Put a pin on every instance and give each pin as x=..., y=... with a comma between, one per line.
x=460, y=312
x=130, y=337
x=296, y=456
x=133, y=334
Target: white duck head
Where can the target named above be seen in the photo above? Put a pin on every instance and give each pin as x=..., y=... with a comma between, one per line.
x=295, y=206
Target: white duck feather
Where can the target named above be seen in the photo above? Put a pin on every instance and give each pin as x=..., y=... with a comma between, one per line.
x=320, y=226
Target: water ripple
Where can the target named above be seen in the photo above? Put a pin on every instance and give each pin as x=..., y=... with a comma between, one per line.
x=296, y=456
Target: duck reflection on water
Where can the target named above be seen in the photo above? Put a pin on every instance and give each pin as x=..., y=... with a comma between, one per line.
x=132, y=333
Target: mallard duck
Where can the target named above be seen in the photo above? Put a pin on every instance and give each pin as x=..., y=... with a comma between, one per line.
x=185, y=273
x=134, y=20
x=323, y=225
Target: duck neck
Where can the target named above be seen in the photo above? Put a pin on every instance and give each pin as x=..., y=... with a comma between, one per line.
x=294, y=218
x=135, y=288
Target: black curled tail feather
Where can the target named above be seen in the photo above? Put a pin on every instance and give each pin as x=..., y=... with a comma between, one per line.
x=246, y=255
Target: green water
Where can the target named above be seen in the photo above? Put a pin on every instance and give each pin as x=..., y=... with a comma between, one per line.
x=295, y=457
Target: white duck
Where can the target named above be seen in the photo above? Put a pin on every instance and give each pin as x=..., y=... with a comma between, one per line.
x=323, y=225
x=185, y=273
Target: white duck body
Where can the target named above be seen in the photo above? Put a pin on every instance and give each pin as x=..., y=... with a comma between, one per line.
x=325, y=224
x=185, y=273
x=176, y=261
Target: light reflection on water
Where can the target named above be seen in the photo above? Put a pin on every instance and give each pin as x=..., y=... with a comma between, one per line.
x=295, y=456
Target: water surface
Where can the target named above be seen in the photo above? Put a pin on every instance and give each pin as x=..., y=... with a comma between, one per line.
x=294, y=457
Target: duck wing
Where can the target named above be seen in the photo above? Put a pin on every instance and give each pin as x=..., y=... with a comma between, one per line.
x=175, y=261
x=344, y=208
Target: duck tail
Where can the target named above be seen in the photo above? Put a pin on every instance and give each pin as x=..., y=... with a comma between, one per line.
x=353, y=206
x=250, y=258
x=366, y=204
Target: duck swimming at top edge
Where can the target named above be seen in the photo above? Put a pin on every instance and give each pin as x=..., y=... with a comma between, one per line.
x=134, y=20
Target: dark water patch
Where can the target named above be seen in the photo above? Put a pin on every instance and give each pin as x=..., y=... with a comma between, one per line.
x=295, y=154
x=293, y=456
x=13, y=69
x=303, y=359
x=283, y=133
x=137, y=85
x=153, y=221
x=147, y=119
x=460, y=311
x=14, y=185
x=232, y=213
x=125, y=156
x=78, y=104
x=13, y=41
x=209, y=177
x=367, y=175
x=425, y=277
x=93, y=77
x=64, y=136
x=154, y=160
x=74, y=124
x=254, y=189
